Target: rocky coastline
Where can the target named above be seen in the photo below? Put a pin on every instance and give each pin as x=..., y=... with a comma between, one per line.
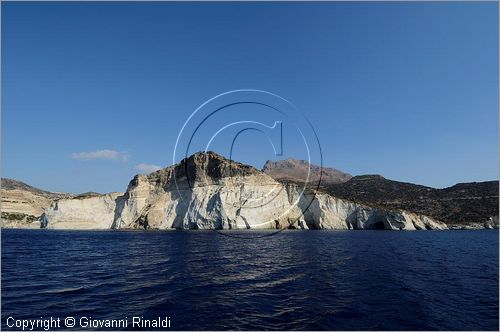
x=208, y=191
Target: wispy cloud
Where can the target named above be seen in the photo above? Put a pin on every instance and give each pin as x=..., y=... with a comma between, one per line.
x=101, y=154
x=147, y=168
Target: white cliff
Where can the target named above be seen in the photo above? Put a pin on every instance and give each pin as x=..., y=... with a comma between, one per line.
x=329, y=212
x=211, y=192
x=254, y=201
x=95, y=212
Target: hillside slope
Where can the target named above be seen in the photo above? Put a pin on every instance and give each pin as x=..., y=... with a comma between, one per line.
x=298, y=171
x=23, y=204
x=208, y=191
x=463, y=203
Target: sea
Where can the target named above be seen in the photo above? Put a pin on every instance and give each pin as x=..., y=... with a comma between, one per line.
x=252, y=280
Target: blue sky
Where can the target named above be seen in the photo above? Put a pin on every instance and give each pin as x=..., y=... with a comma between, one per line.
x=92, y=90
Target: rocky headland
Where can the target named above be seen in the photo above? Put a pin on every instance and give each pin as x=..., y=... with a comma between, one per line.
x=208, y=191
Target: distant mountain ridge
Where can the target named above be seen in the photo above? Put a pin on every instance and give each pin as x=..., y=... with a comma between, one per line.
x=23, y=204
x=10, y=184
x=461, y=203
x=458, y=204
x=209, y=191
x=297, y=170
x=206, y=191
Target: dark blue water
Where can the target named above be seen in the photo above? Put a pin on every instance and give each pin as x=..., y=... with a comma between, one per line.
x=295, y=280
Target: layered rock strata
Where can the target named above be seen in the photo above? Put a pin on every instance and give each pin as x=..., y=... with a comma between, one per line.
x=207, y=191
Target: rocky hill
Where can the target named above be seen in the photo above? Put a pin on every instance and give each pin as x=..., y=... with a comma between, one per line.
x=9, y=184
x=297, y=171
x=463, y=203
x=22, y=204
x=208, y=191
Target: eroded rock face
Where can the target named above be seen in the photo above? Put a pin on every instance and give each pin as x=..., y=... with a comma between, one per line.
x=329, y=212
x=490, y=223
x=462, y=205
x=301, y=171
x=94, y=212
x=22, y=205
x=207, y=191
x=165, y=199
